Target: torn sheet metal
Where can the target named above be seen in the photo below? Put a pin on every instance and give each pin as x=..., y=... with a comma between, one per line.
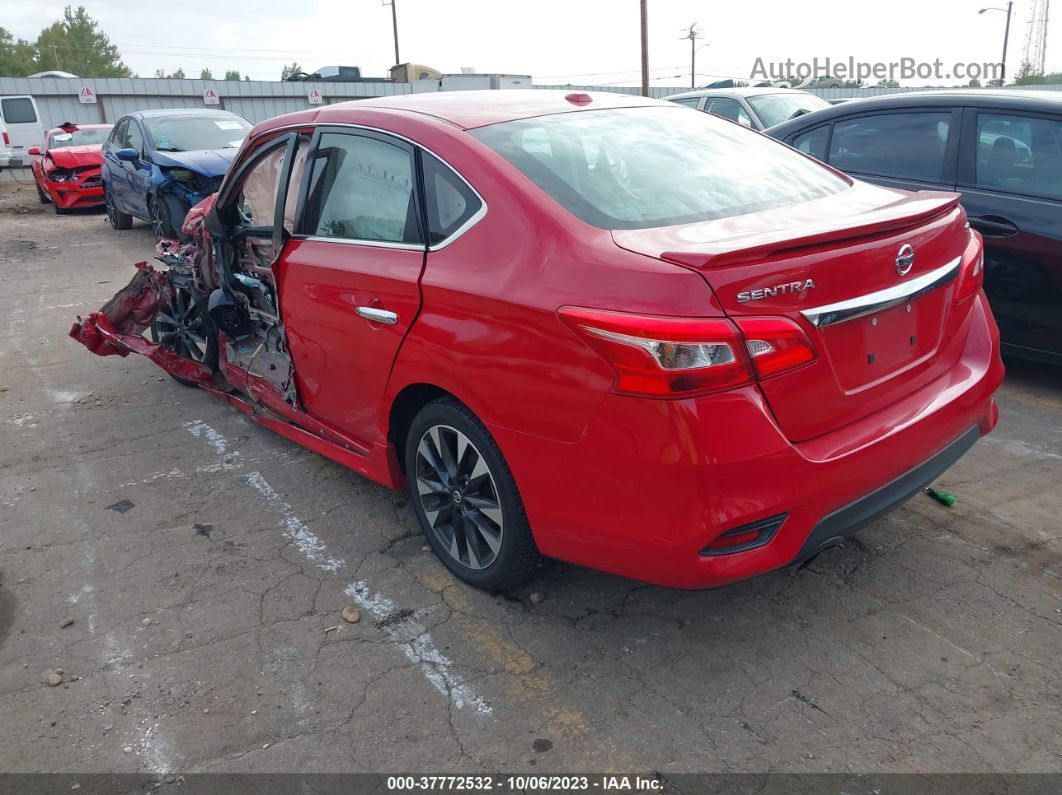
x=117, y=328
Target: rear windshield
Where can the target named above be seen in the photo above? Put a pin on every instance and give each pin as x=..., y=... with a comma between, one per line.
x=775, y=108
x=192, y=133
x=635, y=168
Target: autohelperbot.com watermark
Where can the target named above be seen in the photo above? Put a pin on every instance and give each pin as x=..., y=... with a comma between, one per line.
x=851, y=69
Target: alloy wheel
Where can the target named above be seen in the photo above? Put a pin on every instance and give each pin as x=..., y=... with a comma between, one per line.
x=159, y=225
x=112, y=213
x=459, y=496
x=181, y=328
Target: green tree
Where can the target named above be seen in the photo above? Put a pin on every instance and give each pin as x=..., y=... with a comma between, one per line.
x=884, y=83
x=974, y=83
x=76, y=44
x=1028, y=75
x=232, y=74
x=205, y=74
x=17, y=58
x=288, y=71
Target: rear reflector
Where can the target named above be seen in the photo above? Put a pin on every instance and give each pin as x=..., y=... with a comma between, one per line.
x=748, y=536
x=7, y=141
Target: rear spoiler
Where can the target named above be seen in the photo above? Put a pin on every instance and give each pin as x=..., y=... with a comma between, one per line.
x=913, y=210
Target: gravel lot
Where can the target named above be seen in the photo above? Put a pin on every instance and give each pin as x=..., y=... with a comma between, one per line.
x=205, y=562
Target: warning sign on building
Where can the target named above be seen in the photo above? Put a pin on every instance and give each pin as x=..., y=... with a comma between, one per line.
x=210, y=97
x=88, y=96
x=314, y=97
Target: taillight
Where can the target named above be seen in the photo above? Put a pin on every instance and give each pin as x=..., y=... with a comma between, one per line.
x=972, y=275
x=656, y=356
x=775, y=344
x=7, y=141
x=663, y=356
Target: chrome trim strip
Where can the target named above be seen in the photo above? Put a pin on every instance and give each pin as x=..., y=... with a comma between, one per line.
x=870, y=303
x=351, y=241
x=472, y=221
x=377, y=315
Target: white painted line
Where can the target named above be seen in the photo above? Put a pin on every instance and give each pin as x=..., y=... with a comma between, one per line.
x=419, y=648
x=409, y=634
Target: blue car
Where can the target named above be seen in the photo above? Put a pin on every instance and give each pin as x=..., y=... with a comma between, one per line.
x=157, y=164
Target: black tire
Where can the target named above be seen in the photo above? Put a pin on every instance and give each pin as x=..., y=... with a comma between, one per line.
x=59, y=210
x=159, y=218
x=118, y=220
x=464, y=530
x=44, y=197
x=185, y=329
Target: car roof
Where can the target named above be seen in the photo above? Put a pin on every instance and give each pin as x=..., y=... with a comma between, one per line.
x=745, y=91
x=1043, y=101
x=467, y=109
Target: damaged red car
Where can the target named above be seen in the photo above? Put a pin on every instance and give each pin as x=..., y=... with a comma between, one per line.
x=597, y=328
x=67, y=168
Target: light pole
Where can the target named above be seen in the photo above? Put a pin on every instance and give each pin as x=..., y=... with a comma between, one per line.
x=645, y=49
x=394, y=26
x=1006, y=37
x=693, y=34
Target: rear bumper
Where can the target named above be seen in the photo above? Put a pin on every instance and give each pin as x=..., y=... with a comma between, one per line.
x=651, y=483
x=844, y=521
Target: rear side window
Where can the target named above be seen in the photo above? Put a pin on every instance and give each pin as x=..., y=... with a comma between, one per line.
x=635, y=168
x=18, y=110
x=901, y=145
x=690, y=102
x=728, y=109
x=361, y=188
x=1020, y=154
x=450, y=202
x=812, y=142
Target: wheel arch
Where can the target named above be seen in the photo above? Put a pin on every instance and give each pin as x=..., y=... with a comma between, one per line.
x=405, y=406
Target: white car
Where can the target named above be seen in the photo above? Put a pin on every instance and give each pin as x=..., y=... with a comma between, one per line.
x=758, y=108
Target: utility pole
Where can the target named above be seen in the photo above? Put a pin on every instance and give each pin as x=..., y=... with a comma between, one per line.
x=1006, y=38
x=693, y=34
x=55, y=54
x=394, y=26
x=645, y=49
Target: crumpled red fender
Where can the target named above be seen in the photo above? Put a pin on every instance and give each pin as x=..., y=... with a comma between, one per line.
x=117, y=328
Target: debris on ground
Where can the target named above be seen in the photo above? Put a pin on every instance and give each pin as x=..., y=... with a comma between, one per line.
x=54, y=679
x=147, y=621
x=66, y=622
x=121, y=506
x=203, y=529
x=351, y=614
x=537, y=597
x=336, y=628
x=940, y=496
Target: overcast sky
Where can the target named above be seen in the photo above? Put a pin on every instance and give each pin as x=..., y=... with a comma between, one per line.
x=577, y=41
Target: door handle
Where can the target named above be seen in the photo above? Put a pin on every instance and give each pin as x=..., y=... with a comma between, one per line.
x=993, y=225
x=377, y=315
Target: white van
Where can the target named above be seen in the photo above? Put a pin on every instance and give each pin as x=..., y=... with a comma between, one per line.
x=23, y=122
x=6, y=158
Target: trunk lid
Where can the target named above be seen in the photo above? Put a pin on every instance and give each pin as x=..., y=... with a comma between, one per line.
x=883, y=328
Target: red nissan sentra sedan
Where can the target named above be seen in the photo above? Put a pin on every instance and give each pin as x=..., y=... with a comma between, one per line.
x=598, y=328
x=67, y=169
